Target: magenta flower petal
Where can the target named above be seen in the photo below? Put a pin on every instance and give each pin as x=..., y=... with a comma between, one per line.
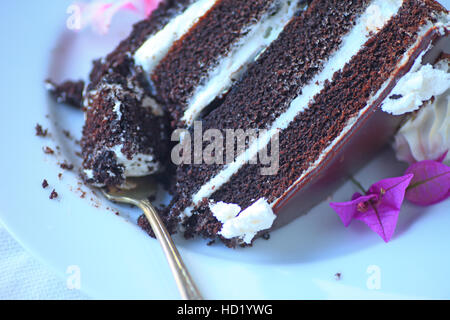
x=383, y=215
x=431, y=183
x=381, y=219
x=392, y=191
x=442, y=158
x=356, y=196
x=379, y=208
x=347, y=210
x=149, y=6
x=99, y=13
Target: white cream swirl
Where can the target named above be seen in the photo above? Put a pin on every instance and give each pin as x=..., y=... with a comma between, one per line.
x=426, y=136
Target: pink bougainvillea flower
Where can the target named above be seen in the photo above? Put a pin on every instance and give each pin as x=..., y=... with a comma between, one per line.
x=99, y=13
x=431, y=183
x=146, y=6
x=378, y=208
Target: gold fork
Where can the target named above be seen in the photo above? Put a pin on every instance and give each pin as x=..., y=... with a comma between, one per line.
x=136, y=192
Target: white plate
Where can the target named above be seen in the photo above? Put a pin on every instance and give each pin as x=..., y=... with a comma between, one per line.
x=117, y=260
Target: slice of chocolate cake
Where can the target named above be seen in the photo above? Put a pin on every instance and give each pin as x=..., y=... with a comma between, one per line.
x=192, y=49
x=323, y=98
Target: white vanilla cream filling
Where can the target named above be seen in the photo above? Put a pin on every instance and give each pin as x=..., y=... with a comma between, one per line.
x=156, y=47
x=351, y=44
x=220, y=79
x=139, y=165
x=246, y=224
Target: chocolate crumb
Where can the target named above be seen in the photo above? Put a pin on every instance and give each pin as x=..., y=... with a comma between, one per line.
x=40, y=132
x=210, y=243
x=53, y=195
x=266, y=236
x=66, y=166
x=48, y=150
x=70, y=92
x=338, y=276
x=396, y=97
x=44, y=184
x=67, y=134
x=60, y=175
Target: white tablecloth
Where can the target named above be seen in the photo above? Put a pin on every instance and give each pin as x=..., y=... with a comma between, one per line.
x=24, y=277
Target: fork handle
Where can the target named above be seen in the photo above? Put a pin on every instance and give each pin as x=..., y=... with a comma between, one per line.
x=185, y=284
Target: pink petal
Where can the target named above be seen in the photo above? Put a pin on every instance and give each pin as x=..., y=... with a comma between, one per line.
x=394, y=190
x=356, y=195
x=381, y=219
x=99, y=13
x=383, y=216
x=347, y=210
x=379, y=209
x=149, y=6
x=129, y=5
x=442, y=158
x=101, y=21
x=431, y=183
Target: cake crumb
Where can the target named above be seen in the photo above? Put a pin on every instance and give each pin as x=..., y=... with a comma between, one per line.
x=67, y=134
x=338, y=276
x=396, y=97
x=40, y=132
x=66, y=166
x=60, y=176
x=48, y=150
x=53, y=195
x=70, y=92
x=266, y=236
x=44, y=184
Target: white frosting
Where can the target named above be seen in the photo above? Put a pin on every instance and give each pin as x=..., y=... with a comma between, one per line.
x=224, y=211
x=378, y=13
x=246, y=224
x=351, y=44
x=117, y=110
x=420, y=84
x=156, y=47
x=89, y=173
x=259, y=36
x=426, y=136
x=139, y=165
